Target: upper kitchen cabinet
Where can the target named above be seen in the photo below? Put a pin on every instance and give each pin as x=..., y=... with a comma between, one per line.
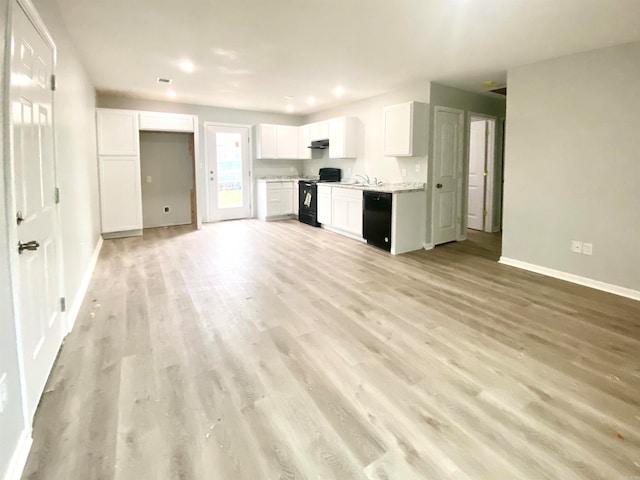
x=343, y=137
x=276, y=141
x=304, y=152
x=319, y=131
x=117, y=132
x=405, y=129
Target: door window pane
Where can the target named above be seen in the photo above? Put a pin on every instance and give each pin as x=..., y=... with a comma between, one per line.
x=229, y=158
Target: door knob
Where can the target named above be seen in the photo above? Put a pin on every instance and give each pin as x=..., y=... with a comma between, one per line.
x=438, y=185
x=32, y=245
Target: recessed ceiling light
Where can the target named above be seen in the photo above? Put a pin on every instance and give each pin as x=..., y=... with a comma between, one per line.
x=311, y=100
x=289, y=108
x=338, y=91
x=186, y=65
x=170, y=94
x=163, y=80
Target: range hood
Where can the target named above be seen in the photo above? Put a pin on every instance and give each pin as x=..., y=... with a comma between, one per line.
x=319, y=144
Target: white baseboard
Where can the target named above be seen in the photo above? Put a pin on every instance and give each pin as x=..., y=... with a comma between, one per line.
x=569, y=277
x=19, y=458
x=72, y=313
x=428, y=246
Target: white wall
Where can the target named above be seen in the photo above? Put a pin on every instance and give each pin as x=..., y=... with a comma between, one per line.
x=74, y=113
x=167, y=159
x=572, y=164
x=12, y=423
x=371, y=160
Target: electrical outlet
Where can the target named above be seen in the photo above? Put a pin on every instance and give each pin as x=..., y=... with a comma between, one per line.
x=166, y=209
x=587, y=248
x=404, y=172
x=576, y=246
x=4, y=394
x=417, y=168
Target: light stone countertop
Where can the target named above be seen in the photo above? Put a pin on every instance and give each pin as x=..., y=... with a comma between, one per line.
x=402, y=187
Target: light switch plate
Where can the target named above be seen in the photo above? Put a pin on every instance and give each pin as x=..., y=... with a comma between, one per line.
x=587, y=248
x=576, y=246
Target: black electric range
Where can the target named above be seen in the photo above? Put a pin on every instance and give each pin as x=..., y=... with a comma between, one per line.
x=308, y=196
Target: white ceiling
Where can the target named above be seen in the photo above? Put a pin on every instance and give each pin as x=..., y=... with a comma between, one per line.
x=251, y=53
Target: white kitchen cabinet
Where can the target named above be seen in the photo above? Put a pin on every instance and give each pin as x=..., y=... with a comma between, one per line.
x=304, y=152
x=405, y=129
x=275, y=199
x=166, y=122
x=319, y=130
x=119, y=167
x=120, y=193
x=346, y=211
x=286, y=142
x=266, y=141
x=343, y=137
x=117, y=132
x=324, y=205
x=276, y=141
x=296, y=197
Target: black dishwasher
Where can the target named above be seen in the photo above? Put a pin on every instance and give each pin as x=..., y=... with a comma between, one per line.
x=376, y=219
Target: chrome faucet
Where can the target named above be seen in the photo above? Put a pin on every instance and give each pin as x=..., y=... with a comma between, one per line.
x=365, y=178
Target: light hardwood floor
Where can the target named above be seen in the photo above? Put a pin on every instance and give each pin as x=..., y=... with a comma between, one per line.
x=254, y=350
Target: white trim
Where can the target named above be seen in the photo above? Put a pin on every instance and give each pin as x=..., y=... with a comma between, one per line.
x=428, y=246
x=19, y=457
x=570, y=277
x=344, y=233
x=72, y=313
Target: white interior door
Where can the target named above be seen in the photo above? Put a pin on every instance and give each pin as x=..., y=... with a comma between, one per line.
x=228, y=181
x=446, y=174
x=478, y=130
x=40, y=320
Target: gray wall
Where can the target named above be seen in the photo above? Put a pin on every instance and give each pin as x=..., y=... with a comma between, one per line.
x=166, y=158
x=572, y=164
x=444, y=96
x=75, y=124
x=12, y=420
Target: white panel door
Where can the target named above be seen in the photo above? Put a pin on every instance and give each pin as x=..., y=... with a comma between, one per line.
x=120, y=193
x=477, y=166
x=228, y=181
x=41, y=326
x=446, y=174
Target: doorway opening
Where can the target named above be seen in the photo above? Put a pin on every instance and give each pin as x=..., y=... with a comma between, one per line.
x=167, y=168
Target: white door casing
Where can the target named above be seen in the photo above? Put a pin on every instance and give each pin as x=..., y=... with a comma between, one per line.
x=446, y=186
x=39, y=320
x=228, y=172
x=477, y=165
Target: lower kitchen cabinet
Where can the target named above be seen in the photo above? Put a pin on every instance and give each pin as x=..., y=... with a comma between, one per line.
x=276, y=199
x=346, y=211
x=324, y=204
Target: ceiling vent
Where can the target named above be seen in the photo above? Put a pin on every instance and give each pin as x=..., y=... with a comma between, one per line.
x=500, y=91
x=165, y=81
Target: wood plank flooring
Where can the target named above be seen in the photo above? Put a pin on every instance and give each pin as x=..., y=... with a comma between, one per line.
x=252, y=350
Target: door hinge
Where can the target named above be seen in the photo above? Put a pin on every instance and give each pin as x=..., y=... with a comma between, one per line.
x=485, y=173
x=53, y=83
x=63, y=304
x=57, y=195
x=484, y=213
